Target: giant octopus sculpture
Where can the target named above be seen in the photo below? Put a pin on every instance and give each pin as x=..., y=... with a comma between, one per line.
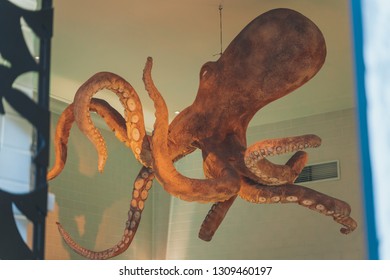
x=273, y=55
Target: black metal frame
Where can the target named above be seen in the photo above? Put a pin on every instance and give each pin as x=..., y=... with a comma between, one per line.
x=13, y=49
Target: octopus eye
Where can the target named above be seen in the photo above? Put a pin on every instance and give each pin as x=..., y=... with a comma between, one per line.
x=206, y=70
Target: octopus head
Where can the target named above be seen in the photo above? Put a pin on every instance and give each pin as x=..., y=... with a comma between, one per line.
x=273, y=55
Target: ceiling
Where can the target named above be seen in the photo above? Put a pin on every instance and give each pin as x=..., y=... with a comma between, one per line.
x=118, y=35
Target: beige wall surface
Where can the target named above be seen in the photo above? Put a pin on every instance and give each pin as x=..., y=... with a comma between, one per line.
x=93, y=207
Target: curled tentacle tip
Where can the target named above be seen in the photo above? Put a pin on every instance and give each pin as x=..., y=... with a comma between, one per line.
x=345, y=230
x=50, y=176
x=205, y=237
x=149, y=63
x=101, y=164
x=206, y=234
x=348, y=229
x=319, y=140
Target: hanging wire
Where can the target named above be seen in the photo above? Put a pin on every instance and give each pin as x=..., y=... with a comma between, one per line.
x=220, y=25
x=220, y=7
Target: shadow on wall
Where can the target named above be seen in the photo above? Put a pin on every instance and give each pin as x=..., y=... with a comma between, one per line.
x=93, y=207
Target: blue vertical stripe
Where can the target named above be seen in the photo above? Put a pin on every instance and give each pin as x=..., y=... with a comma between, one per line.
x=366, y=174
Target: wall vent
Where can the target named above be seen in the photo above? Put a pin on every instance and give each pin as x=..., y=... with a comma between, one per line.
x=319, y=172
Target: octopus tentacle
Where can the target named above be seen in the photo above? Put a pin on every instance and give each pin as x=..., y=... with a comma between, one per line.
x=113, y=119
x=273, y=174
x=297, y=162
x=136, y=133
x=220, y=188
x=289, y=193
x=214, y=218
x=218, y=211
x=142, y=185
x=61, y=138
